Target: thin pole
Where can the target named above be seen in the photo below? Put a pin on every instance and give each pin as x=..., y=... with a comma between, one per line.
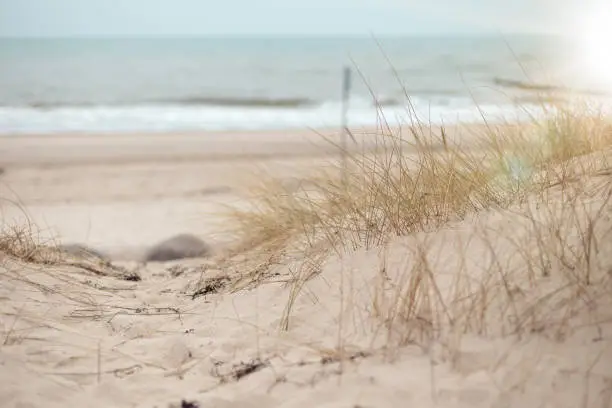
x=346, y=90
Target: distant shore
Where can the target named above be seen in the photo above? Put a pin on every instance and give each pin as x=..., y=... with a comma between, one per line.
x=83, y=148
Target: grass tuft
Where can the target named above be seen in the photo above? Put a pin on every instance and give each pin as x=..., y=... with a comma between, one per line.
x=421, y=178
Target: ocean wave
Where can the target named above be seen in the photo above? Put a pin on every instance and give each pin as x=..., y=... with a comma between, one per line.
x=173, y=118
x=246, y=103
x=538, y=87
x=239, y=102
x=184, y=101
x=527, y=86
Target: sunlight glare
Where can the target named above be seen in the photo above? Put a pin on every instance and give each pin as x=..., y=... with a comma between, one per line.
x=596, y=46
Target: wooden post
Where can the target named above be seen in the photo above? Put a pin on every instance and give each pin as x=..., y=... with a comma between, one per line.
x=346, y=90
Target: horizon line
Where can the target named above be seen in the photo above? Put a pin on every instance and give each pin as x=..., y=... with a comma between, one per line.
x=272, y=36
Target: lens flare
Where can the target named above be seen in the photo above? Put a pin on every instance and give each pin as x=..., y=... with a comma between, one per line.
x=595, y=41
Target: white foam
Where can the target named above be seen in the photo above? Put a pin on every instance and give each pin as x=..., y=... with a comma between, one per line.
x=181, y=118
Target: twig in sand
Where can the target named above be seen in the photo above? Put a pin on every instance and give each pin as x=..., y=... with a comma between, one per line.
x=122, y=273
x=185, y=404
x=212, y=285
x=7, y=337
x=240, y=370
x=99, y=362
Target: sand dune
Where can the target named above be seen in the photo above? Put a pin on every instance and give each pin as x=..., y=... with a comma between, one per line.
x=73, y=336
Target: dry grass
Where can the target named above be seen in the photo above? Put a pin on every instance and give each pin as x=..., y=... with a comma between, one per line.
x=23, y=241
x=421, y=181
x=548, y=273
x=538, y=277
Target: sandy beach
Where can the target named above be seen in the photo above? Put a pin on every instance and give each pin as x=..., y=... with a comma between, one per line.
x=226, y=205
x=71, y=337
x=118, y=191
x=125, y=191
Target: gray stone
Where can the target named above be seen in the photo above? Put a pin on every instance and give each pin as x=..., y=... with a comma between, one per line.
x=180, y=246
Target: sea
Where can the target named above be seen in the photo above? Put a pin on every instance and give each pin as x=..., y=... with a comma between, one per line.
x=211, y=84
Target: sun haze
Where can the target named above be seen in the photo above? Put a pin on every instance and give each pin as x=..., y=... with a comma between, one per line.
x=276, y=17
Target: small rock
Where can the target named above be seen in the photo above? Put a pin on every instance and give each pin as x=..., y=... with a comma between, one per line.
x=180, y=246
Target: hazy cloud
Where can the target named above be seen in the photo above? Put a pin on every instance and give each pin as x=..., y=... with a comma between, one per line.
x=312, y=17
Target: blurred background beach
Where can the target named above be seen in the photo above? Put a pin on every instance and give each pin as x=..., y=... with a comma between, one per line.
x=196, y=104
x=160, y=85
x=117, y=114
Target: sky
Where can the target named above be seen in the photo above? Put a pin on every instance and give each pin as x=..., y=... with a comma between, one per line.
x=163, y=18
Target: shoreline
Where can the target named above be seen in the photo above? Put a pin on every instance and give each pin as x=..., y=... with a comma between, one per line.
x=142, y=147
x=168, y=122
x=122, y=148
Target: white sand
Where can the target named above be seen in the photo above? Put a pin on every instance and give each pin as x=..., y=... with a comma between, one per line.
x=70, y=338
x=117, y=191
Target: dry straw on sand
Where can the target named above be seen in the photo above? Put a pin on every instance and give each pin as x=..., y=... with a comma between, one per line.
x=457, y=269
x=530, y=255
